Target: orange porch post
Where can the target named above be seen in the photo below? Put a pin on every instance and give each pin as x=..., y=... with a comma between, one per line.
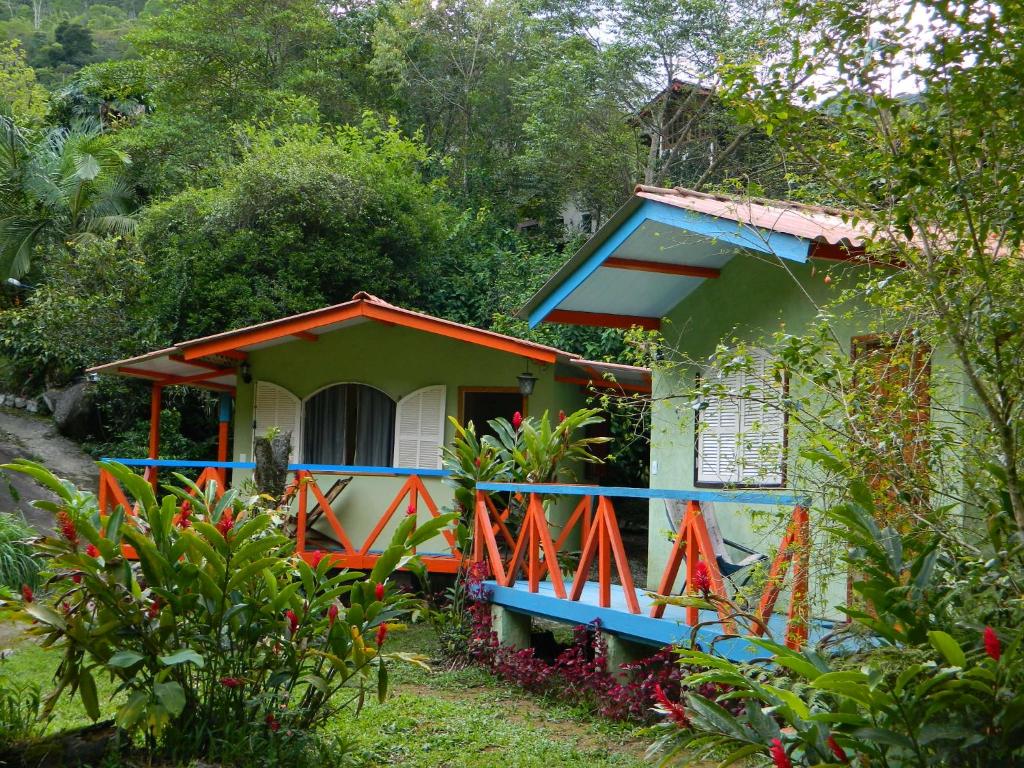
x=223, y=426
x=154, y=429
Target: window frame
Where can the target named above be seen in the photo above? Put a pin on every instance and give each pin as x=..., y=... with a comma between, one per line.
x=300, y=452
x=783, y=454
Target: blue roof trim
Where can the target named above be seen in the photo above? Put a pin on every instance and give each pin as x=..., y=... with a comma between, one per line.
x=779, y=244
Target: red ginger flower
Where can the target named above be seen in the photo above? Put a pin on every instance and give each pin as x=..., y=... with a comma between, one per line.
x=154, y=609
x=517, y=420
x=378, y=592
x=992, y=645
x=225, y=523
x=838, y=751
x=92, y=551
x=315, y=557
x=779, y=756
x=561, y=416
x=183, y=518
x=76, y=578
x=701, y=578
x=411, y=509
x=293, y=620
x=231, y=682
x=66, y=527
x=675, y=710
x=26, y=593
x=272, y=723
x=382, y=633
x=332, y=614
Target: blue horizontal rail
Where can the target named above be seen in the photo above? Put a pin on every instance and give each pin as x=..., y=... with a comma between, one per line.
x=339, y=468
x=784, y=498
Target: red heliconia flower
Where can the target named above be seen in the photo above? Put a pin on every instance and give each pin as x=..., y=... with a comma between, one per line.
x=225, y=524
x=838, y=751
x=517, y=420
x=675, y=710
x=272, y=723
x=561, y=416
x=382, y=633
x=231, y=682
x=293, y=620
x=315, y=557
x=779, y=756
x=92, y=551
x=66, y=527
x=992, y=645
x=701, y=577
x=332, y=614
x=378, y=592
x=26, y=593
x=76, y=578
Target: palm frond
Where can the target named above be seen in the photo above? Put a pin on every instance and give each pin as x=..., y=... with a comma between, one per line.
x=18, y=239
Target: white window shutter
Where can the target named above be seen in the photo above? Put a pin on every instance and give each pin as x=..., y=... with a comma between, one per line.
x=742, y=437
x=419, y=428
x=275, y=406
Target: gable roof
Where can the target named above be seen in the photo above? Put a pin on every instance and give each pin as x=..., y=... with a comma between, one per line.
x=626, y=274
x=211, y=362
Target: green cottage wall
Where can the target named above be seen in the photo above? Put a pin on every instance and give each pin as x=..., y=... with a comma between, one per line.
x=398, y=361
x=753, y=298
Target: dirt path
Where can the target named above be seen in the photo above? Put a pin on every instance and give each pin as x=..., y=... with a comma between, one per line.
x=33, y=437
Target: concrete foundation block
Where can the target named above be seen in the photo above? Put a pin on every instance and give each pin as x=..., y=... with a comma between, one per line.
x=622, y=651
x=513, y=629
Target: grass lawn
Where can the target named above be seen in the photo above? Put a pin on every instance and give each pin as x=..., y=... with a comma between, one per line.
x=436, y=718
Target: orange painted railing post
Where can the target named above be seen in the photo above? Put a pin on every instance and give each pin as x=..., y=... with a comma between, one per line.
x=694, y=543
x=795, y=546
x=603, y=541
x=154, y=431
x=300, y=522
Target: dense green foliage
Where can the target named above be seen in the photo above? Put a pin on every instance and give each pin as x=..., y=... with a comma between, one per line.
x=17, y=566
x=217, y=634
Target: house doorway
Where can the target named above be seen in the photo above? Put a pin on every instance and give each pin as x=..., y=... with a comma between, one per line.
x=482, y=404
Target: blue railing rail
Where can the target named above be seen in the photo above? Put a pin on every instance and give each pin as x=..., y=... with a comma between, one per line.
x=333, y=468
x=774, y=498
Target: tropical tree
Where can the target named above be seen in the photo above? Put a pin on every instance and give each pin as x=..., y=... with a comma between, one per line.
x=61, y=188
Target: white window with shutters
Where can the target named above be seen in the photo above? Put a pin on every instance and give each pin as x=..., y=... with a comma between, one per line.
x=741, y=430
x=419, y=428
x=275, y=406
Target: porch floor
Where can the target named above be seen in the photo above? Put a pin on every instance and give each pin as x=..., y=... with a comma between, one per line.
x=641, y=628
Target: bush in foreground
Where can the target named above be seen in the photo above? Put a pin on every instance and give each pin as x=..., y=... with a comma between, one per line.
x=225, y=645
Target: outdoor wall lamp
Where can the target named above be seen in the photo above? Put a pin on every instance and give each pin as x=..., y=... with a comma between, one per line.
x=526, y=382
x=246, y=371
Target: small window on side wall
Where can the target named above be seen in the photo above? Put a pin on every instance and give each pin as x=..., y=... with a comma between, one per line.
x=741, y=428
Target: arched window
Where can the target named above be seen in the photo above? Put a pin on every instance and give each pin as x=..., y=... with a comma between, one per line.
x=350, y=424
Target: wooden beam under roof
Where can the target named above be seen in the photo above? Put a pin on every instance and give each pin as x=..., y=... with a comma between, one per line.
x=602, y=320
x=680, y=270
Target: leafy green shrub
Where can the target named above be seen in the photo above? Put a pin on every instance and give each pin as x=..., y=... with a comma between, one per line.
x=930, y=671
x=20, y=707
x=217, y=635
x=17, y=566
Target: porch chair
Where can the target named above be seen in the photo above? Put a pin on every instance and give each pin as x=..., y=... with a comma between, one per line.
x=674, y=512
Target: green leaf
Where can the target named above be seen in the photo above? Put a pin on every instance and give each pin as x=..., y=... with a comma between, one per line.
x=87, y=690
x=948, y=647
x=124, y=659
x=184, y=656
x=382, y=682
x=46, y=615
x=172, y=696
x=132, y=711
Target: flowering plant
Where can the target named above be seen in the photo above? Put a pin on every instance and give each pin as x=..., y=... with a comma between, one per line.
x=197, y=607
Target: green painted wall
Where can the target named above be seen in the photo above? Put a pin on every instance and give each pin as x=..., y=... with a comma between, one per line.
x=753, y=298
x=397, y=361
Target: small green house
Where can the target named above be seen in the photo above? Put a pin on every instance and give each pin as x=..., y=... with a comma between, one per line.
x=708, y=270
x=366, y=390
